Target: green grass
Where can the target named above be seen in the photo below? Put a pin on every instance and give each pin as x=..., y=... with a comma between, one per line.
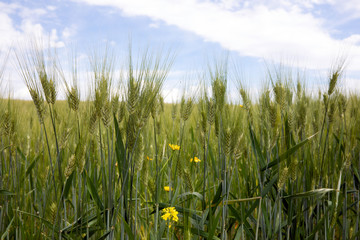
x=285, y=166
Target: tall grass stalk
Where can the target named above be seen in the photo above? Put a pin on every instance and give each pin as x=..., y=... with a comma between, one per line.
x=96, y=167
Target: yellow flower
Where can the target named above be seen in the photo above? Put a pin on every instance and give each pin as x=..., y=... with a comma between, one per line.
x=149, y=159
x=241, y=106
x=174, y=147
x=195, y=159
x=170, y=214
x=167, y=188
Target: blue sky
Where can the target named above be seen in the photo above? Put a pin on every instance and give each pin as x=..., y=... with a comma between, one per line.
x=304, y=34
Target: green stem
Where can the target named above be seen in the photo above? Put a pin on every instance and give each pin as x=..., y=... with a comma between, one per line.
x=58, y=159
x=51, y=163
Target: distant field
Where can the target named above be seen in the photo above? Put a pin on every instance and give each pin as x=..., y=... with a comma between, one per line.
x=125, y=165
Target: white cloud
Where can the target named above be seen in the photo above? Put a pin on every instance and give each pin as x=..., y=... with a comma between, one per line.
x=28, y=27
x=51, y=8
x=14, y=34
x=350, y=7
x=27, y=13
x=68, y=32
x=353, y=39
x=351, y=84
x=17, y=25
x=8, y=8
x=171, y=95
x=262, y=30
x=8, y=32
x=21, y=93
x=54, y=40
x=154, y=25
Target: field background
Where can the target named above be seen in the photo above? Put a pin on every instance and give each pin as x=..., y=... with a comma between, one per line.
x=283, y=166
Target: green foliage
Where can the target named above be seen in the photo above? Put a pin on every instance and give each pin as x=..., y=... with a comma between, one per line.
x=285, y=166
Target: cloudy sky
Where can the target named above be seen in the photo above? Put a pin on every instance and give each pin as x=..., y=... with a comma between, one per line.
x=304, y=34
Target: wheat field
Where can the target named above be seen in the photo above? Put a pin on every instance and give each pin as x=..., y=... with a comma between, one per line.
x=120, y=163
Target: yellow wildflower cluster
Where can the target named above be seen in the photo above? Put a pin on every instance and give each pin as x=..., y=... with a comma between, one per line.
x=195, y=159
x=167, y=188
x=170, y=214
x=148, y=158
x=174, y=147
